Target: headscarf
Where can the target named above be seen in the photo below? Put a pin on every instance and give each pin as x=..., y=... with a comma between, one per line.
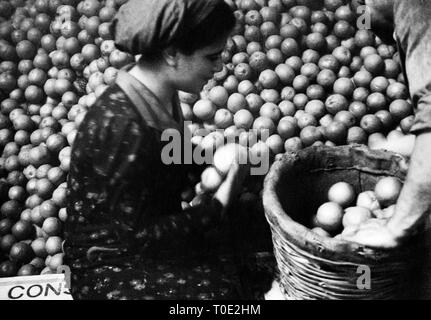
x=152, y=25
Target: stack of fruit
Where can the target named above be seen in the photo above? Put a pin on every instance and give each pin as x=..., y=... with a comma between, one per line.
x=346, y=211
x=298, y=70
x=57, y=57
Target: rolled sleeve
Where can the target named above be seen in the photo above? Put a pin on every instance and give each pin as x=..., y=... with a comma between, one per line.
x=413, y=33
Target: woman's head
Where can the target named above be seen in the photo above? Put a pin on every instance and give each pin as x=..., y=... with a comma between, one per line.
x=188, y=35
x=147, y=27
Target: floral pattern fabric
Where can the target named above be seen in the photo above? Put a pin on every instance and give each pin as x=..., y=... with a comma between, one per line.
x=125, y=219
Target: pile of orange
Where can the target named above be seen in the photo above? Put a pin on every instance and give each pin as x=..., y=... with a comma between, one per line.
x=346, y=210
x=296, y=73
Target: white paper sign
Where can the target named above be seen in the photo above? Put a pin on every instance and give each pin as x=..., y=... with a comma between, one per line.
x=44, y=287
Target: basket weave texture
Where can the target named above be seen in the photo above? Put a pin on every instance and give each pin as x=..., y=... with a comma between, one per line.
x=315, y=267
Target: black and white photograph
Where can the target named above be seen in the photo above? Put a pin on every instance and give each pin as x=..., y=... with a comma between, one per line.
x=237, y=152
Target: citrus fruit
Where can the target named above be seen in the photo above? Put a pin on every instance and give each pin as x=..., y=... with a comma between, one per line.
x=329, y=216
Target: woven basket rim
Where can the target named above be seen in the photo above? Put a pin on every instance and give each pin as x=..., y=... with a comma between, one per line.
x=322, y=247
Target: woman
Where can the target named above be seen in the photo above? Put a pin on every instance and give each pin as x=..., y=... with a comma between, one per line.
x=127, y=236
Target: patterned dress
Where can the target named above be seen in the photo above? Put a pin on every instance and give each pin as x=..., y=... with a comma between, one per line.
x=127, y=236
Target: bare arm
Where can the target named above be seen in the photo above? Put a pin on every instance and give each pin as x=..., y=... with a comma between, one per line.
x=414, y=202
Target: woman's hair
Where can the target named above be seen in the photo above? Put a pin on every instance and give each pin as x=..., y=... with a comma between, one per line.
x=217, y=25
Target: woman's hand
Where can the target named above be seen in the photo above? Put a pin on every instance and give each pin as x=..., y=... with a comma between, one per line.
x=231, y=186
x=374, y=235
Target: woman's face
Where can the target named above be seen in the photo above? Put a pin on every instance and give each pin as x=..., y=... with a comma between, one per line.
x=195, y=70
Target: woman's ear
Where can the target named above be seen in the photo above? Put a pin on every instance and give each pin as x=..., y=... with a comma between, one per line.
x=170, y=56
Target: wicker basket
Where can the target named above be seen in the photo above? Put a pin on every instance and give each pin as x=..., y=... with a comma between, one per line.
x=316, y=267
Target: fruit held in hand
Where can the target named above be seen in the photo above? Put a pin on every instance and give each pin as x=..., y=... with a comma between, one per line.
x=354, y=216
x=225, y=156
x=211, y=179
x=387, y=191
x=368, y=200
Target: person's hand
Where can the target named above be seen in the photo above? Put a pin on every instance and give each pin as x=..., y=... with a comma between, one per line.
x=374, y=233
x=231, y=186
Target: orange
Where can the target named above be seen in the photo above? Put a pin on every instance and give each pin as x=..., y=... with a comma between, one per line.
x=315, y=41
x=275, y=144
x=316, y=92
x=363, y=78
x=342, y=193
x=329, y=216
x=270, y=14
x=345, y=117
x=243, y=119
x=336, y=132
x=287, y=108
x=374, y=64
x=344, y=86
x=336, y=103
x=387, y=191
x=329, y=62
x=326, y=78
x=275, y=57
x=287, y=128
x=310, y=135
x=270, y=110
x=223, y=118
x=310, y=70
x=259, y=61
x=289, y=47
x=305, y=120
x=236, y=102
x=396, y=91
x=246, y=87
x=273, y=42
x=326, y=120
x=254, y=102
x=253, y=47
x=300, y=100
x=264, y=126
x=270, y=95
x=227, y=154
x=400, y=109
x=53, y=245
x=356, y=135
x=371, y=123
x=392, y=69
x=231, y=84
x=21, y=253
x=22, y=230
x=354, y=216
x=343, y=30
x=52, y=226
x=406, y=124
x=295, y=63
x=358, y=109
x=379, y=84
x=253, y=18
x=316, y=108
x=243, y=71
x=287, y=93
x=204, y=109
x=364, y=38
x=301, y=83
x=310, y=56
x=269, y=79
x=219, y=96
x=386, y=118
